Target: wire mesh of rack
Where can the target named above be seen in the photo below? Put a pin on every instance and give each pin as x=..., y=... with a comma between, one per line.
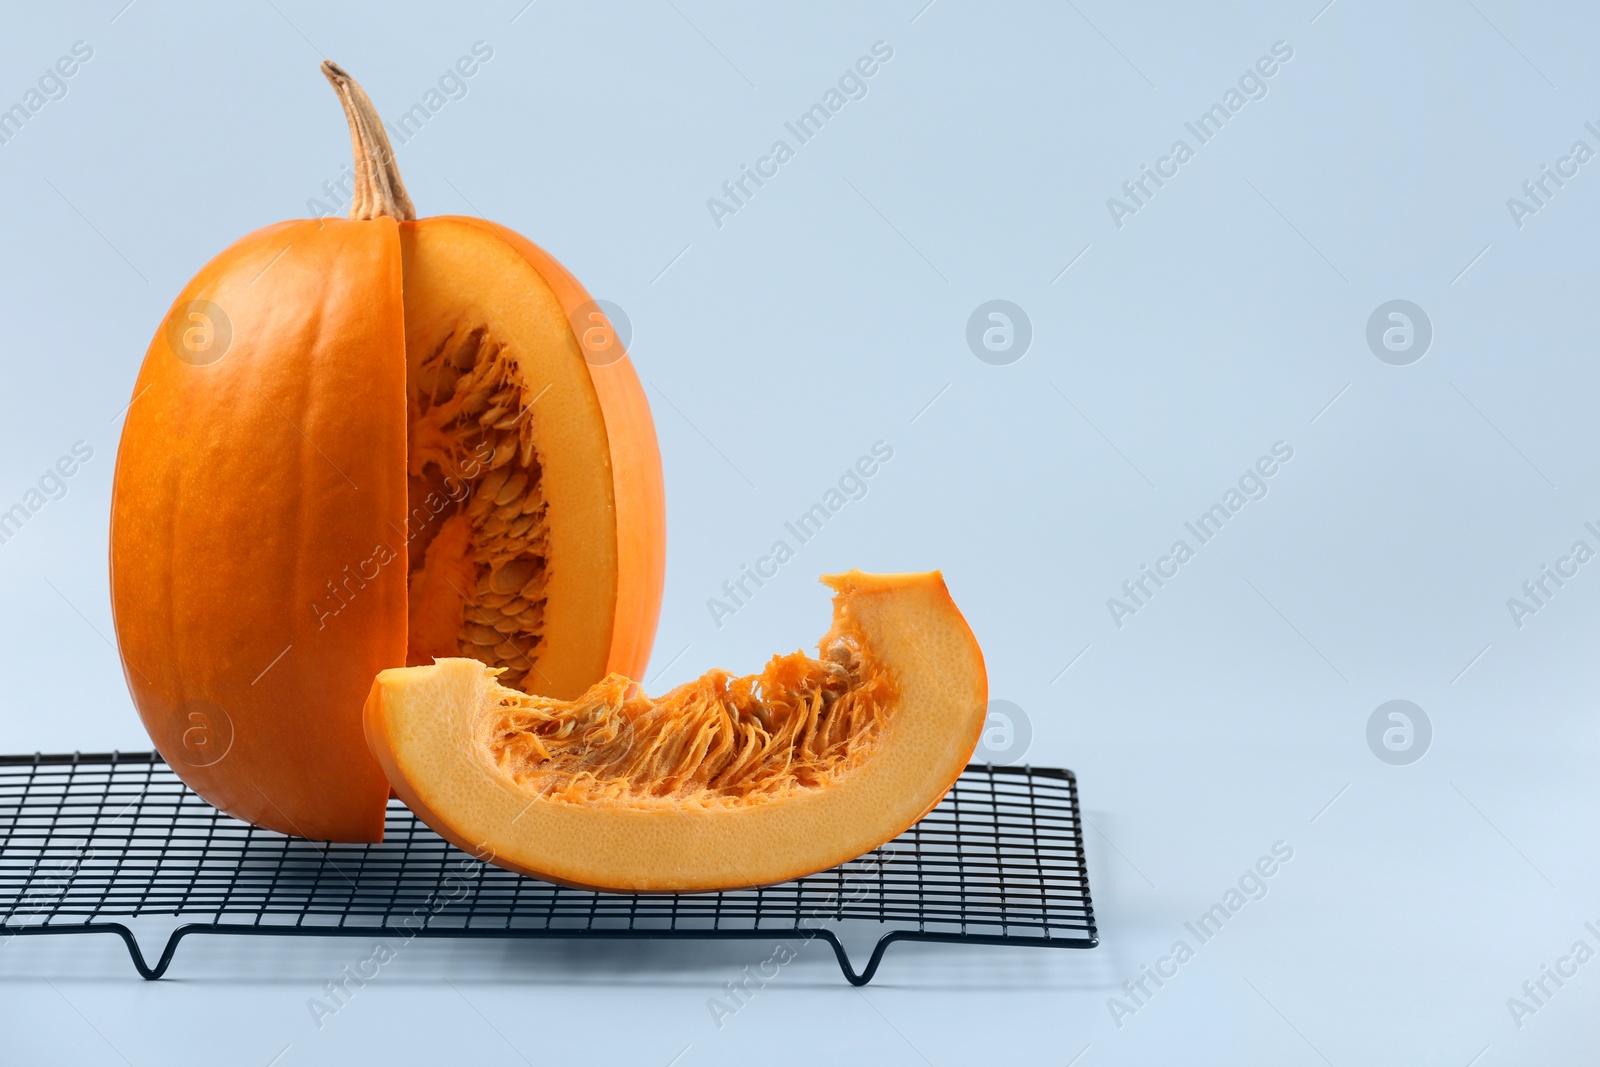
x=87, y=839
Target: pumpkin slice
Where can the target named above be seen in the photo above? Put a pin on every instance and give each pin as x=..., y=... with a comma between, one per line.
x=723, y=782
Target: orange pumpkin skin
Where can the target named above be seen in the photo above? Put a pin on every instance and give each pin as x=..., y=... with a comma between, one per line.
x=260, y=515
x=243, y=486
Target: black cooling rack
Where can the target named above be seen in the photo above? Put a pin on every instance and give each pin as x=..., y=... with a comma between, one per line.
x=86, y=840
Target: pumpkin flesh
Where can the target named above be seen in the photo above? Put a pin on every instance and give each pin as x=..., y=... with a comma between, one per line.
x=506, y=437
x=723, y=782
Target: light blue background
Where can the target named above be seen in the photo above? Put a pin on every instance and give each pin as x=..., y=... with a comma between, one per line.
x=825, y=316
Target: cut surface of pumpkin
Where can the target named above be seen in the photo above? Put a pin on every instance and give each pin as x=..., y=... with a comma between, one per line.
x=360, y=443
x=721, y=783
x=506, y=430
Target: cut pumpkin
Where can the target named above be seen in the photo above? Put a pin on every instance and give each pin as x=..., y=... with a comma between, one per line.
x=723, y=782
x=356, y=444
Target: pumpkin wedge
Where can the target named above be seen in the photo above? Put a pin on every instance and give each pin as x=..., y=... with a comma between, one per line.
x=360, y=443
x=723, y=782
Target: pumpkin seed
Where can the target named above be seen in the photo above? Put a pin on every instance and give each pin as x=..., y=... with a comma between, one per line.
x=496, y=601
x=472, y=388
x=466, y=353
x=490, y=484
x=479, y=634
x=512, y=488
x=512, y=577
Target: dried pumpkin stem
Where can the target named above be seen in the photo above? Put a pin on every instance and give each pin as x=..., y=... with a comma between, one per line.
x=379, y=191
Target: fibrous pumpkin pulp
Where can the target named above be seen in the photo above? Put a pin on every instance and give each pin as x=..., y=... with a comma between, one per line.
x=722, y=782
x=356, y=444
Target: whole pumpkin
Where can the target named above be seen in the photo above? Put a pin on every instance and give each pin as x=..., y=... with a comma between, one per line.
x=360, y=444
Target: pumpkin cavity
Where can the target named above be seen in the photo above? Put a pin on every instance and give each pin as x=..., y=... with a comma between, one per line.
x=478, y=565
x=717, y=742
